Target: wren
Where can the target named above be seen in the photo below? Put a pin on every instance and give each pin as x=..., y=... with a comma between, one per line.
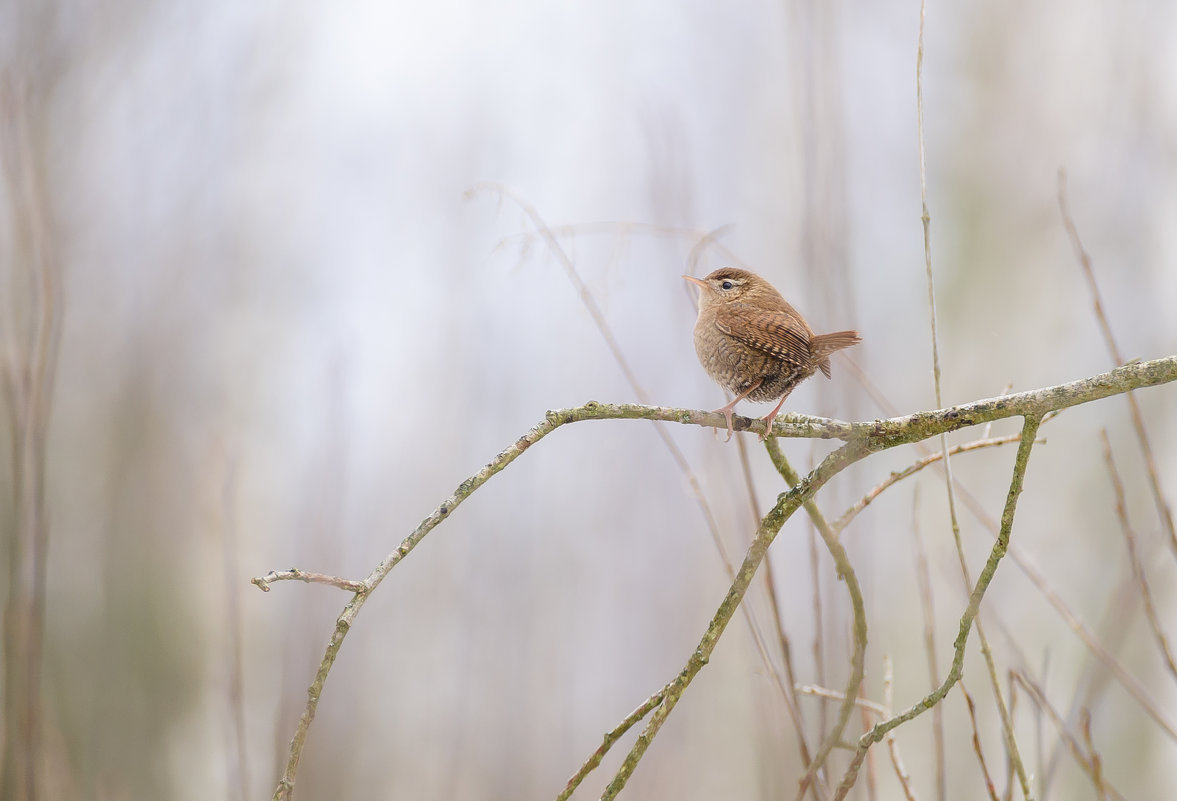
x=753, y=343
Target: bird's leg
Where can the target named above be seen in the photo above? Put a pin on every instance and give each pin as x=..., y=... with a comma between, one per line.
x=771, y=417
x=726, y=411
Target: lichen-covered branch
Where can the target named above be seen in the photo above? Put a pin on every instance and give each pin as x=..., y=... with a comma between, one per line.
x=1029, y=431
x=861, y=439
x=846, y=573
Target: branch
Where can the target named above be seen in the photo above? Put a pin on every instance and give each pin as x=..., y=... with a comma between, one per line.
x=846, y=573
x=861, y=440
x=1029, y=430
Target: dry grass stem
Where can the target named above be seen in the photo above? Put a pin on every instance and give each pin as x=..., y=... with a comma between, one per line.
x=1096, y=762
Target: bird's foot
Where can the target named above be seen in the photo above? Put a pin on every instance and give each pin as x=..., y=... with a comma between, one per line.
x=726, y=411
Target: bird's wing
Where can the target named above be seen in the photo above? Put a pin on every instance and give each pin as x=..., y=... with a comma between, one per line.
x=776, y=332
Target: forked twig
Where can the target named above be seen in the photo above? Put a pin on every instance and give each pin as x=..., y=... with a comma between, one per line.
x=1029, y=431
x=611, y=737
x=845, y=572
x=861, y=439
x=1037, y=578
x=914, y=468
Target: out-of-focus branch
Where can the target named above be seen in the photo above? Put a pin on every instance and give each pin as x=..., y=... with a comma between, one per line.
x=1150, y=609
x=1088, y=762
x=29, y=344
x=1163, y=509
x=989, y=786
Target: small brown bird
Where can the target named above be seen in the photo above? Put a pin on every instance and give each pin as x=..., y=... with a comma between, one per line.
x=753, y=343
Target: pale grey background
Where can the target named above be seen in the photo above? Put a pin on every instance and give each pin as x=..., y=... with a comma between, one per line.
x=289, y=334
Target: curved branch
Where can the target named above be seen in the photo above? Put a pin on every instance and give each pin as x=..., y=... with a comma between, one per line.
x=861, y=440
x=845, y=572
x=879, y=731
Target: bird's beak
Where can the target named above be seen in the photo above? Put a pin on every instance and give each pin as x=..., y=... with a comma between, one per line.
x=695, y=281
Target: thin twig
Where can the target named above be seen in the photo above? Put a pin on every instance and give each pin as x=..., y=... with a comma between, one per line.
x=1163, y=509
x=309, y=577
x=1096, y=762
x=989, y=786
x=1150, y=610
x=611, y=737
x=818, y=691
x=819, y=625
x=892, y=742
x=924, y=579
x=897, y=476
x=1083, y=760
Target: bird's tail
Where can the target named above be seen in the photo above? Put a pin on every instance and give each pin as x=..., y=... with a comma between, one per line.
x=822, y=345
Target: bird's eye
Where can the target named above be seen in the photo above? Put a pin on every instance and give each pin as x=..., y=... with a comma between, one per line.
x=726, y=285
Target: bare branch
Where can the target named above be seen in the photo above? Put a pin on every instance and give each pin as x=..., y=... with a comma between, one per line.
x=294, y=574
x=1029, y=430
x=862, y=439
x=611, y=737
x=845, y=572
x=892, y=743
x=912, y=469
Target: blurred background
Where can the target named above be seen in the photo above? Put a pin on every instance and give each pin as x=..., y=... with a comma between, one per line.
x=278, y=330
